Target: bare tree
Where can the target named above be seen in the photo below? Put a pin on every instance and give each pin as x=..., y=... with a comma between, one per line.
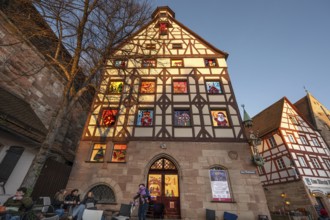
x=86, y=34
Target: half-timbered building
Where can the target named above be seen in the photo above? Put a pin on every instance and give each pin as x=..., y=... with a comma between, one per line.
x=166, y=115
x=296, y=170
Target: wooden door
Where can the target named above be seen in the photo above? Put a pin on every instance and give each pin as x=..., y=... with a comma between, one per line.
x=163, y=184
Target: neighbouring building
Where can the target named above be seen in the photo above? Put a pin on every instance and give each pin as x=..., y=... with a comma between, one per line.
x=30, y=95
x=296, y=160
x=316, y=114
x=166, y=115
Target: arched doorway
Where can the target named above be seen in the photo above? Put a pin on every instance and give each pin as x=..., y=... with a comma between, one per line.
x=163, y=184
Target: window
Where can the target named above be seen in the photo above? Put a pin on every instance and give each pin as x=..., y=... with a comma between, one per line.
x=272, y=141
x=220, y=185
x=327, y=163
x=303, y=140
x=103, y=194
x=176, y=46
x=315, y=141
x=261, y=170
x=315, y=163
x=163, y=28
x=145, y=117
x=148, y=87
x=280, y=164
x=116, y=87
x=176, y=62
x=109, y=117
x=119, y=153
x=293, y=119
x=302, y=161
x=149, y=63
x=182, y=117
x=220, y=118
x=120, y=63
x=180, y=87
x=150, y=46
x=98, y=152
x=9, y=162
x=213, y=87
x=291, y=138
x=210, y=62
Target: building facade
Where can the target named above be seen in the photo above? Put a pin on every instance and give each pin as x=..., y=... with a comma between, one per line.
x=166, y=115
x=296, y=168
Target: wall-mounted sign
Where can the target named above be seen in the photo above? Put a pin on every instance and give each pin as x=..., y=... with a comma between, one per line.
x=248, y=172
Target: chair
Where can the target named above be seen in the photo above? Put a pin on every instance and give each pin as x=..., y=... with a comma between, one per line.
x=229, y=216
x=210, y=214
x=44, y=205
x=92, y=214
x=55, y=217
x=124, y=213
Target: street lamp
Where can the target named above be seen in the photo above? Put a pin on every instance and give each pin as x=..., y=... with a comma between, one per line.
x=253, y=139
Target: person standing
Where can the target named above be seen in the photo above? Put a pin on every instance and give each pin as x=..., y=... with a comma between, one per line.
x=18, y=204
x=72, y=202
x=143, y=197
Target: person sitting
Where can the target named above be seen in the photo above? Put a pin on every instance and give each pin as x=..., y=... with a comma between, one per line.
x=18, y=204
x=89, y=201
x=72, y=201
x=58, y=202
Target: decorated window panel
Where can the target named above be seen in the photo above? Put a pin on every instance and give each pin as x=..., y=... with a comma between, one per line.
x=176, y=62
x=119, y=153
x=220, y=185
x=182, y=117
x=98, y=152
x=116, y=86
x=180, y=87
x=210, y=62
x=148, y=87
x=120, y=63
x=108, y=116
x=163, y=28
x=220, y=118
x=213, y=87
x=177, y=46
x=145, y=117
x=149, y=63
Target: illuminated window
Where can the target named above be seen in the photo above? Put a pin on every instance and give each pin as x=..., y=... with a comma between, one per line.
x=109, y=117
x=210, y=62
x=220, y=186
x=149, y=63
x=145, y=117
x=213, y=87
x=176, y=62
x=220, y=118
x=120, y=63
x=148, y=87
x=116, y=87
x=180, y=87
x=98, y=152
x=182, y=118
x=119, y=153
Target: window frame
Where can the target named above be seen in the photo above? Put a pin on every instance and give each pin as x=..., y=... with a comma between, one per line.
x=280, y=163
x=149, y=63
x=327, y=163
x=121, y=66
x=177, y=59
x=291, y=138
x=272, y=142
x=303, y=139
x=214, y=114
x=113, y=151
x=146, y=81
x=294, y=119
x=150, y=46
x=152, y=117
x=213, y=81
x=178, y=81
x=214, y=62
x=177, y=46
x=302, y=161
x=227, y=180
x=110, y=84
x=315, y=162
x=101, y=117
x=94, y=149
x=316, y=142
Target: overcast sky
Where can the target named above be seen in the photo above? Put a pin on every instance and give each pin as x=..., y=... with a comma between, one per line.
x=276, y=48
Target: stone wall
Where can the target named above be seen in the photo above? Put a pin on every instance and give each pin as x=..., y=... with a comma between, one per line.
x=193, y=161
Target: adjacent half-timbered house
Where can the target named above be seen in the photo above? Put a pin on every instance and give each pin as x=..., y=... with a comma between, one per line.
x=296, y=170
x=166, y=115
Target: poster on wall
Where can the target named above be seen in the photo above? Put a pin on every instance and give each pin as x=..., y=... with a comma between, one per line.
x=220, y=186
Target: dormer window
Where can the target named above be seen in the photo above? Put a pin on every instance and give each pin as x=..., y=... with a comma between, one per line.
x=163, y=28
x=162, y=14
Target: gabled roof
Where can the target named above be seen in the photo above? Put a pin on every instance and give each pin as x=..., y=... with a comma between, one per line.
x=172, y=18
x=269, y=119
x=17, y=116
